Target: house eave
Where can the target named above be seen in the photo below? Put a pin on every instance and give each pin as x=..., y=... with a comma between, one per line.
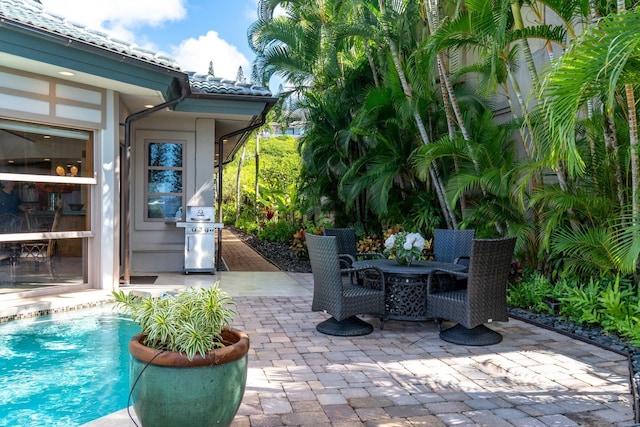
x=34, y=43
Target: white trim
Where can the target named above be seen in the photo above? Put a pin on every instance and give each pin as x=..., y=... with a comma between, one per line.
x=72, y=93
x=25, y=104
x=105, y=250
x=22, y=83
x=22, y=237
x=47, y=178
x=138, y=171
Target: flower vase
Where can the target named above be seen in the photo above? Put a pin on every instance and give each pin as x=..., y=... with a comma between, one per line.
x=405, y=259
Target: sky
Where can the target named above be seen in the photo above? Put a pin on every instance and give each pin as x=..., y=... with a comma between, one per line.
x=193, y=32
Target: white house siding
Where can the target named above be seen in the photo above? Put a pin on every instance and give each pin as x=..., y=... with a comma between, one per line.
x=104, y=251
x=157, y=245
x=38, y=99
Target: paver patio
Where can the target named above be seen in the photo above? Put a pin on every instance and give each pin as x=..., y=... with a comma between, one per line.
x=405, y=375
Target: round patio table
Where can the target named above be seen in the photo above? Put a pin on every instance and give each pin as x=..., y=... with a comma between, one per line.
x=406, y=285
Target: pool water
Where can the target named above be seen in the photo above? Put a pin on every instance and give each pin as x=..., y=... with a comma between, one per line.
x=64, y=369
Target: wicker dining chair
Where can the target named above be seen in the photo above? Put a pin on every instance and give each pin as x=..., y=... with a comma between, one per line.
x=452, y=246
x=484, y=299
x=342, y=299
x=348, y=250
x=347, y=245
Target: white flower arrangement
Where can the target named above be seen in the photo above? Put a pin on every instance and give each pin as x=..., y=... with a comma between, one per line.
x=404, y=246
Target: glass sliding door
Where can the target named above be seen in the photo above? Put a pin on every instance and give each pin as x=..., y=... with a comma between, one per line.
x=46, y=175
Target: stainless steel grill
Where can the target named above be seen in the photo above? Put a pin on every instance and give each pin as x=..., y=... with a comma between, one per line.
x=200, y=239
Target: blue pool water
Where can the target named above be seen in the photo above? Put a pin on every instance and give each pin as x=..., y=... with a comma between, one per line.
x=64, y=369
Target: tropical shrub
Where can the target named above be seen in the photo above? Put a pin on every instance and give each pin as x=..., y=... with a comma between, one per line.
x=278, y=231
x=370, y=244
x=247, y=220
x=279, y=165
x=228, y=213
x=189, y=322
x=299, y=244
x=612, y=304
x=532, y=292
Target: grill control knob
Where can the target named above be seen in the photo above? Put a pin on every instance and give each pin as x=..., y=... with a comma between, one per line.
x=194, y=229
x=206, y=230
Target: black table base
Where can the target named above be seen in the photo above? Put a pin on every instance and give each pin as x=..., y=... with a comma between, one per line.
x=405, y=296
x=406, y=286
x=478, y=336
x=349, y=327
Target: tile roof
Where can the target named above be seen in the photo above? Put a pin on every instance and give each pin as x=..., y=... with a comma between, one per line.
x=32, y=13
x=206, y=83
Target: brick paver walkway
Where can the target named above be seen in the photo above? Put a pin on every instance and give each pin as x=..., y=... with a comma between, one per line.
x=238, y=256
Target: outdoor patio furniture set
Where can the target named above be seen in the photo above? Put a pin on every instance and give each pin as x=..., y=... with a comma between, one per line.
x=466, y=283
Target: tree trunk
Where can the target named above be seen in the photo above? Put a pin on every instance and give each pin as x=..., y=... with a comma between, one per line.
x=611, y=144
x=408, y=91
x=240, y=163
x=257, y=195
x=633, y=145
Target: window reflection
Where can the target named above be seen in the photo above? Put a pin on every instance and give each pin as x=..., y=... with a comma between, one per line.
x=164, y=180
x=44, y=150
x=43, y=208
x=165, y=154
x=166, y=207
x=27, y=207
x=44, y=262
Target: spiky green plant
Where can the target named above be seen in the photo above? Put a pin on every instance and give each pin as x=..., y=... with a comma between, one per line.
x=531, y=293
x=189, y=322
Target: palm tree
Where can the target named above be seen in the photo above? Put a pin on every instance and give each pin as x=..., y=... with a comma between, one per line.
x=331, y=48
x=601, y=65
x=386, y=18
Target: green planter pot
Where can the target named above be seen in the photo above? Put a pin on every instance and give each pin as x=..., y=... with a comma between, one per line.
x=171, y=390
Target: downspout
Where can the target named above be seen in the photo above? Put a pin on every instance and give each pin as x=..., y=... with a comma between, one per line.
x=261, y=122
x=184, y=90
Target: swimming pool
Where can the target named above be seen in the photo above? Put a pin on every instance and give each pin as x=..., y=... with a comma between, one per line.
x=64, y=369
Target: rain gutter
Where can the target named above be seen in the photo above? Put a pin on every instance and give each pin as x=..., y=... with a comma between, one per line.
x=232, y=97
x=184, y=91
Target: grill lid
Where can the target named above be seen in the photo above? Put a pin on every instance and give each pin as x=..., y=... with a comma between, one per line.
x=200, y=214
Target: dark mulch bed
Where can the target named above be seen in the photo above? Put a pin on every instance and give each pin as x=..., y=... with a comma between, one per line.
x=280, y=255
x=284, y=258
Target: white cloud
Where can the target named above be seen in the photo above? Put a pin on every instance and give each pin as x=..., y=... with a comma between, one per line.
x=195, y=55
x=121, y=19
